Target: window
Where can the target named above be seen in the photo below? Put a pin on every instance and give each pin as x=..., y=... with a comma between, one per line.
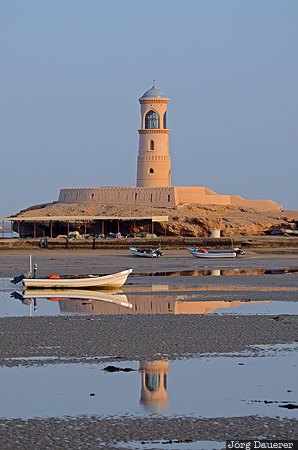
x=92, y=195
x=151, y=120
x=151, y=145
x=151, y=170
x=152, y=381
x=165, y=120
x=169, y=197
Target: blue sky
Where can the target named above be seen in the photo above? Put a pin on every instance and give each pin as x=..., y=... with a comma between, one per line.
x=72, y=72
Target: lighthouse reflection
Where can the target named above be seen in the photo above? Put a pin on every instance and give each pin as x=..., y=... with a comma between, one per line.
x=154, y=393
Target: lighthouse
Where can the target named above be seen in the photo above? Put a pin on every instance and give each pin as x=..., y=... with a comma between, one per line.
x=154, y=161
x=154, y=186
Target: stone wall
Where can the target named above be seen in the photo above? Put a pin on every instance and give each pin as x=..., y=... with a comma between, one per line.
x=120, y=195
x=160, y=197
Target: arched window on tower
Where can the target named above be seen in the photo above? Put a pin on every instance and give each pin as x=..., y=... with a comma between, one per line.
x=151, y=120
x=151, y=170
x=152, y=381
x=165, y=120
x=151, y=145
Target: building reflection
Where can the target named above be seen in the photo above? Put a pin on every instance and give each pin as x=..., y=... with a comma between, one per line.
x=223, y=272
x=154, y=393
x=155, y=301
x=146, y=304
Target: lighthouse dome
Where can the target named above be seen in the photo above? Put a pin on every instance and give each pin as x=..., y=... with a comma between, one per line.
x=153, y=93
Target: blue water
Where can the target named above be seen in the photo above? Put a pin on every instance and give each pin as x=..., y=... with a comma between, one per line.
x=231, y=385
x=8, y=235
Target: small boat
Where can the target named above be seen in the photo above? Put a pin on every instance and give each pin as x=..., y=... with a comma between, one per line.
x=146, y=252
x=114, y=280
x=289, y=232
x=204, y=253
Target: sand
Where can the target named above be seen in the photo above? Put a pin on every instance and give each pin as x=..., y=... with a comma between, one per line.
x=144, y=337
x=185, y=220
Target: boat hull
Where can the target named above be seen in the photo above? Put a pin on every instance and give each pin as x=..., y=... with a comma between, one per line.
x=212, y=254
x=135, y=252
x=111, y=281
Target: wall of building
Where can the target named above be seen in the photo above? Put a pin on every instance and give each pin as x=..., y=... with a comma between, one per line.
x=120, y=195
x=161, y=197
x=201, y=195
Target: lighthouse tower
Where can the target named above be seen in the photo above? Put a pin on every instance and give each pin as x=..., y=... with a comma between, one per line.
x=154, y=161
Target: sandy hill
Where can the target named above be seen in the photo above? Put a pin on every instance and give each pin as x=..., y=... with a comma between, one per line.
x=186, y=220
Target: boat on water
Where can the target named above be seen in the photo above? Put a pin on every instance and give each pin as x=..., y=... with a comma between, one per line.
x=54, y=281
x=146, y=252
x=206, y=253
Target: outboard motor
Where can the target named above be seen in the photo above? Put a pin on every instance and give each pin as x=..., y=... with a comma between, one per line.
x=17, y=279
x=238, y=251
x=17, y=296
x=159, y=252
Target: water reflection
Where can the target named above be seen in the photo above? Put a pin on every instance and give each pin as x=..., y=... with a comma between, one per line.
x=154, y=394
x=220, y=272
x=80, y=301
x=198, y=387
x=100, y=303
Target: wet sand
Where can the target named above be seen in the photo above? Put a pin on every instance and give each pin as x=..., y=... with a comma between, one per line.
x=145, y=337
x=80, y=338
x=98, y=261
x=93, y=432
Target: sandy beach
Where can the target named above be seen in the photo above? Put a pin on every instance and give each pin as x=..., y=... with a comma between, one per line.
x=146, y=337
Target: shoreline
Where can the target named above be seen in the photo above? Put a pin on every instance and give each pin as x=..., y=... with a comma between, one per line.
x=116, y=338
x=167, y=243
x=69, y=261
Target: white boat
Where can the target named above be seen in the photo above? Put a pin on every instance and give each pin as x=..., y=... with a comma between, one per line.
x=146, y=252
x=78, y=294
x=204, y=253
x=289, y=231
x=114, y=280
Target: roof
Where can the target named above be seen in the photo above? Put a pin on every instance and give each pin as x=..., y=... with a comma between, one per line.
x=81, y=218
x=153, y=93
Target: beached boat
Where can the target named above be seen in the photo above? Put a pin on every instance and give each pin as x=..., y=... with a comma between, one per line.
x=146, y=252
x=204, y=253
x=111, y=281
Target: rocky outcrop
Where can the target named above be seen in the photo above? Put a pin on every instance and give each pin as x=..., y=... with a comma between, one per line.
x=188, y=220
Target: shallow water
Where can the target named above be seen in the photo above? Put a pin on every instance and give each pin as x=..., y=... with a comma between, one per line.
x=18, y=303
x=209, y=386
x=219, y=272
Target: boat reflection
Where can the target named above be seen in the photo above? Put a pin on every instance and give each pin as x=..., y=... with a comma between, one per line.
x=80, y=300
x=30, y=302
x=154, y=393
x=114, y=303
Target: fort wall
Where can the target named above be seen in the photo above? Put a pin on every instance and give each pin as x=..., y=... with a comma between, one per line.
x=164, y=197
x=120, y=195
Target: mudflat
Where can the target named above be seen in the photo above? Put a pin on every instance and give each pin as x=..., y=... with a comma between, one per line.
x=147, y=337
